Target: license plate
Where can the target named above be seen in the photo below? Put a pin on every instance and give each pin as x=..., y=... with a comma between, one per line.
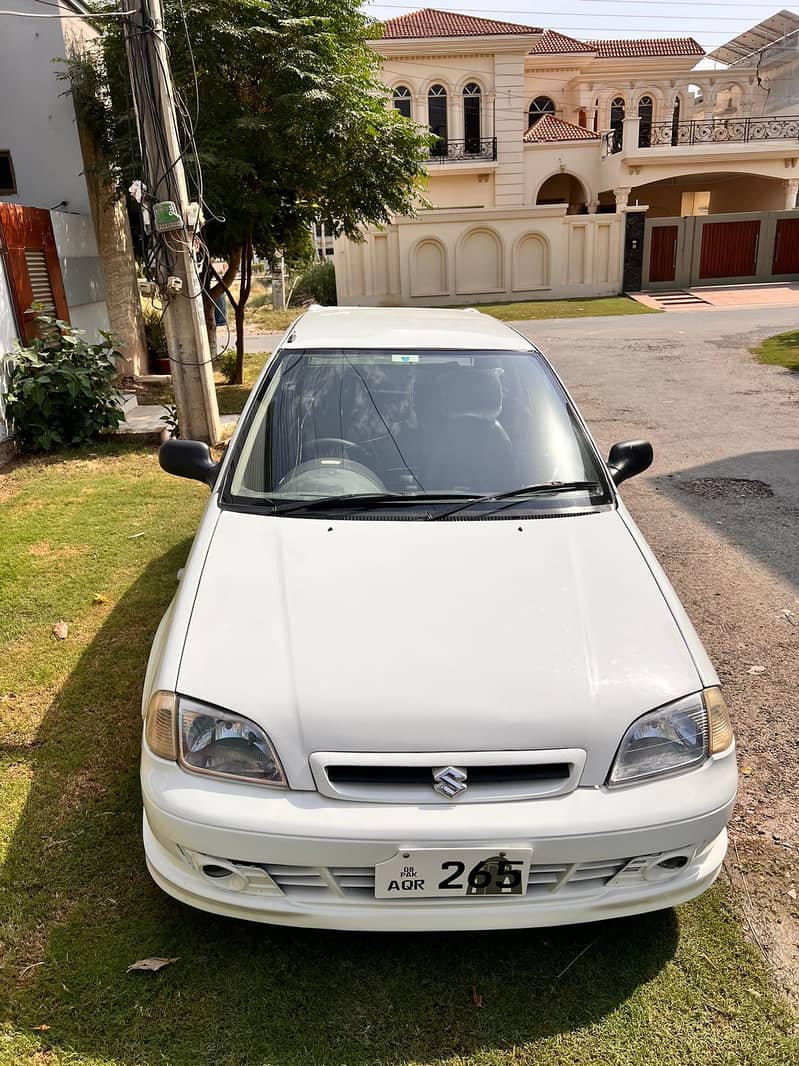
x=448, y=873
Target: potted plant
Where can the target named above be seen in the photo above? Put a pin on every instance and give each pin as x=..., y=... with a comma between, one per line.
x=155, y=334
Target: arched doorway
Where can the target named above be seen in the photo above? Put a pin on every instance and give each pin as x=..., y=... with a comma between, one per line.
x=564, y=188
x=472, y=118
x=617, y=110
x=646, y=109
x=437, y=118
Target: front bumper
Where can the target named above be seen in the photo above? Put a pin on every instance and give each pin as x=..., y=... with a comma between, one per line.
x=301, y=859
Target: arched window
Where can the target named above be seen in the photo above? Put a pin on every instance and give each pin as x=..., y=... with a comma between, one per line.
x=472, y=108
x=617, y=109
x=542, y=105
x=437, y=118
x=402, y=100
x=645, y=111
x=675, y=122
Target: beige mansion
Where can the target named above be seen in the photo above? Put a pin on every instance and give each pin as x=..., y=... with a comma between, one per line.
x=580, y=168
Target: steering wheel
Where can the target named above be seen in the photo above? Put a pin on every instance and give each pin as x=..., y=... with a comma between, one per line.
x=349, y=444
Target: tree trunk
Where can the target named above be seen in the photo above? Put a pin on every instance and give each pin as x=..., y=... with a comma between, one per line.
x=115, y=249
x=209, y=310
x=245, y=286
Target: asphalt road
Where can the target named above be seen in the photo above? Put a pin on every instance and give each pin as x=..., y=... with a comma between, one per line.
x=720, y=507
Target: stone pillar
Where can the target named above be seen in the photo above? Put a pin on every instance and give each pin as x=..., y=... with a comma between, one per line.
x=632, y=125
x=791, y=186
x=278, y=283
x=622, y=195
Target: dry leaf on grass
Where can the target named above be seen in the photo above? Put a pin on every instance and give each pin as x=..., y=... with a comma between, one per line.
x=61, y=630
x=152, y=965
x=99, y=598
x=477, y=999
x=40, y=1028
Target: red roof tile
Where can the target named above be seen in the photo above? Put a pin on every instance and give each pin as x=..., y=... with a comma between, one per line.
x=431, y=23
x=553, y=43
x=647, y=47
x=548, y=129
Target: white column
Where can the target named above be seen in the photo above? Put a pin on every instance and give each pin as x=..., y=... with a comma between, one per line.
x=622, y=195
x=791, y=186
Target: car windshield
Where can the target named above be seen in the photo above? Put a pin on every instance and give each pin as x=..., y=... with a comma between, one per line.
x=360, y=424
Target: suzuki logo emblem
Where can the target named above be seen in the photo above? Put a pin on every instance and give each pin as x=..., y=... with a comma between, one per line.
x=449, y=781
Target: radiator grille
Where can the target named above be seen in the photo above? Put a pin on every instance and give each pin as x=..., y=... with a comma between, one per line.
x=358, y=882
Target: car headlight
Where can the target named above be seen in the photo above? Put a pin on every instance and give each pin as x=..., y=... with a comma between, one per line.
x=673, y=738
x=209, y=740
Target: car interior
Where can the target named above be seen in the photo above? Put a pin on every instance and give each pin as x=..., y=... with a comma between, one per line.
x=354, y=422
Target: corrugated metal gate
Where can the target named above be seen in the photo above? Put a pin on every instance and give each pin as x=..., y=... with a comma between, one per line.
x=729, y=250
x=720, y=249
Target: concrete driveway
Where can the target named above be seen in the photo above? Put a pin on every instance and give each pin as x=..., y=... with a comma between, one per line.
x=720, y=507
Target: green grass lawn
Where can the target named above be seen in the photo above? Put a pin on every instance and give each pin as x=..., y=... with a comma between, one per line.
x=95, y=539
x=780, y=350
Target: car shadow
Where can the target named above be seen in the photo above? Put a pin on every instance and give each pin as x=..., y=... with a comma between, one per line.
x=752, y=500
x=78, y=908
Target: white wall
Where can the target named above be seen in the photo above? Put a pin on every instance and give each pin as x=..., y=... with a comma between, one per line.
x=37, y=119
x=8, y=335
x=486, y=256
x=82, y=272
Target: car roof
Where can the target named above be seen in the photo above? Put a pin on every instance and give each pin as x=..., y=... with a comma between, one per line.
x=403, y=327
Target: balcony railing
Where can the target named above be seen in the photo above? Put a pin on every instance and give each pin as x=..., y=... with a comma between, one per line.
x=471, y=150
x=711, y=131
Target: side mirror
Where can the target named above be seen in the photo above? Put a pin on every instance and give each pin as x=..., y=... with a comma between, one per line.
x=188, y=458
x=628, y=458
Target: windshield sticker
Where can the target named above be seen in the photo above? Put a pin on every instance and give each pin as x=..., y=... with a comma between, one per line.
x=404, y=357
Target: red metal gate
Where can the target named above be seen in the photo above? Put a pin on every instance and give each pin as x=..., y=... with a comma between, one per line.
x=729, y=249
x=786, y=247
x=663, y=253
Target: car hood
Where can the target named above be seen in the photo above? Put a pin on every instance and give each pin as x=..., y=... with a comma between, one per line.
x=414, y=636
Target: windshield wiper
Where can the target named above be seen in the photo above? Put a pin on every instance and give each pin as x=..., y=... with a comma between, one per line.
x=366, y=500
x=546, y=489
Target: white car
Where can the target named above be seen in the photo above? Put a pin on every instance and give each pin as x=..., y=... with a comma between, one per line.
x=422, y=671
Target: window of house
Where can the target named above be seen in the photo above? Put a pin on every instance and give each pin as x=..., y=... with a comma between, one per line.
x=8, y=184
x=542, y=105
x=402, y=100
x=617, y=109
x=646, y=110
x=437, y=118
x=472, y=102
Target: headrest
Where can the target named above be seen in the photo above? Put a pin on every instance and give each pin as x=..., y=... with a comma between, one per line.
x=469, y=392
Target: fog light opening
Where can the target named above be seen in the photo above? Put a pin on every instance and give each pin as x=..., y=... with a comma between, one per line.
x=211, y=869
x=668, y=864
x=224, y=874
x=673, y=862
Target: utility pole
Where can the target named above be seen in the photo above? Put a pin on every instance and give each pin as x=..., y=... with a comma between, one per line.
x=165, y=180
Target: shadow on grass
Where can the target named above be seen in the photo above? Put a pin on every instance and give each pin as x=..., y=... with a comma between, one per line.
x=78, y=908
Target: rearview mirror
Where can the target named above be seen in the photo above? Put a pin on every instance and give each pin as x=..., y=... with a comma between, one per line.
x=628, y=458
x=188, y=458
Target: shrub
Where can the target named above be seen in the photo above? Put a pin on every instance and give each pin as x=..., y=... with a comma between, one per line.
x=317, y=285
x=227, y=365
x=61, y=389
x=155, y=334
